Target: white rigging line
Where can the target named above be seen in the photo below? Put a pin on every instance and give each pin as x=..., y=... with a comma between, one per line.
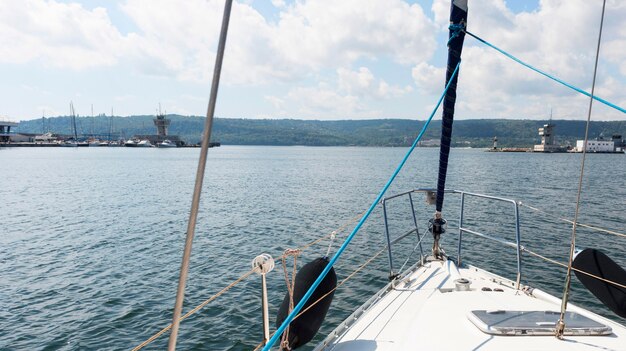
x=560, y=326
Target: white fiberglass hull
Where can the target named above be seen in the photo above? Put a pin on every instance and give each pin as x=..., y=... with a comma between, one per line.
x=424, y=311
x=144, y=143
x=166, y=145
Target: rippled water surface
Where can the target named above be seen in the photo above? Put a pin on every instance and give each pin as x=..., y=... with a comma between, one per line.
x=91, y=239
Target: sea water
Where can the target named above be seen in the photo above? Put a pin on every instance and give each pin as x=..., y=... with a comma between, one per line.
x=91, y=239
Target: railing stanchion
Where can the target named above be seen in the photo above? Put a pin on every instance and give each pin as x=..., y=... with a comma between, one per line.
x=391, y=274
x=417, y=232
x=519, y=249
x=460, y=228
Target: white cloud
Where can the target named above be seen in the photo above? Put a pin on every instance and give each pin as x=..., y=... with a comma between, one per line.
x=194, y=98
x=123, y=98
x=278, y=3
x=278, y=103
x=338, y=43
x=387, y=91
x=363, y=84
x=559, y=37
x=308, y=37
x=31, y=89
x=326, y=32
x=48, y=111
x=58, y=34
x=428, y=78
x=349, y=94
x=178, y=39
x=355, y=81
x=323, y=102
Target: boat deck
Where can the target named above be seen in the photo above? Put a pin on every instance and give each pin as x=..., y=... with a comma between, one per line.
x=424, y=311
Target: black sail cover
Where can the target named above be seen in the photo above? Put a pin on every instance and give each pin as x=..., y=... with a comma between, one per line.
x=304, y=328
x=597, y=263
x=458, y=20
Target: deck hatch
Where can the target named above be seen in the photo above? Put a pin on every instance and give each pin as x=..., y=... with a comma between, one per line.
x=501, y=322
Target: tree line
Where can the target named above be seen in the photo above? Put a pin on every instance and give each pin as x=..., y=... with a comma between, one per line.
x=378, y=132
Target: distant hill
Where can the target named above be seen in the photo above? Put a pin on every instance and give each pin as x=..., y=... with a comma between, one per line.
x=380, y=132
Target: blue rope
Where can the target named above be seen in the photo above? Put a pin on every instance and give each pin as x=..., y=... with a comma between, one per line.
x=345, y=244
x=455, y=30
x=546, y=74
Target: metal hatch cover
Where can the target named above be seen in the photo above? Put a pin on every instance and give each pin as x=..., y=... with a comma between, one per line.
x=501, y=322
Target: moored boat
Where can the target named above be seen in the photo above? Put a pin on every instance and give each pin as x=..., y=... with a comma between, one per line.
x=69, y=143
x=98, y=143
x=144, y=143
x=166, y=144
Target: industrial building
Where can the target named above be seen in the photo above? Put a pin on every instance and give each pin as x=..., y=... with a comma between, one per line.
x=5, y=129
x=162, y=124
x=599, y=145
x=548, y=141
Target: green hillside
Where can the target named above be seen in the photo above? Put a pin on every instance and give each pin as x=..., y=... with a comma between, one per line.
x=380, y=132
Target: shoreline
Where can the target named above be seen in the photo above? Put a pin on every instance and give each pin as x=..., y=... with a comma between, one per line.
x=25, y=144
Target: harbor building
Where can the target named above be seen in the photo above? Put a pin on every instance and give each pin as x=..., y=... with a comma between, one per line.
x=162, y=124
x=548, y=141
x=599, y=145
x=5, y=129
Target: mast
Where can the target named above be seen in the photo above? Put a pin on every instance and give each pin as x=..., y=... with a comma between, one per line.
x=92, y=121
x=73, y=121
x=458, y=20
x=111, y=124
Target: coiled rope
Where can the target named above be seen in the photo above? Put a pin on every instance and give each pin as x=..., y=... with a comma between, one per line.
x=342, y=282
x=291, y=285
x=455, y=30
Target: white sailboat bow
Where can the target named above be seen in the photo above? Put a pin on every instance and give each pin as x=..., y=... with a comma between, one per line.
x=438, y=306
x=441, y=304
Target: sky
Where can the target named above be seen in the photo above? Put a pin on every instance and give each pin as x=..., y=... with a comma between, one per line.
x=305, y=59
